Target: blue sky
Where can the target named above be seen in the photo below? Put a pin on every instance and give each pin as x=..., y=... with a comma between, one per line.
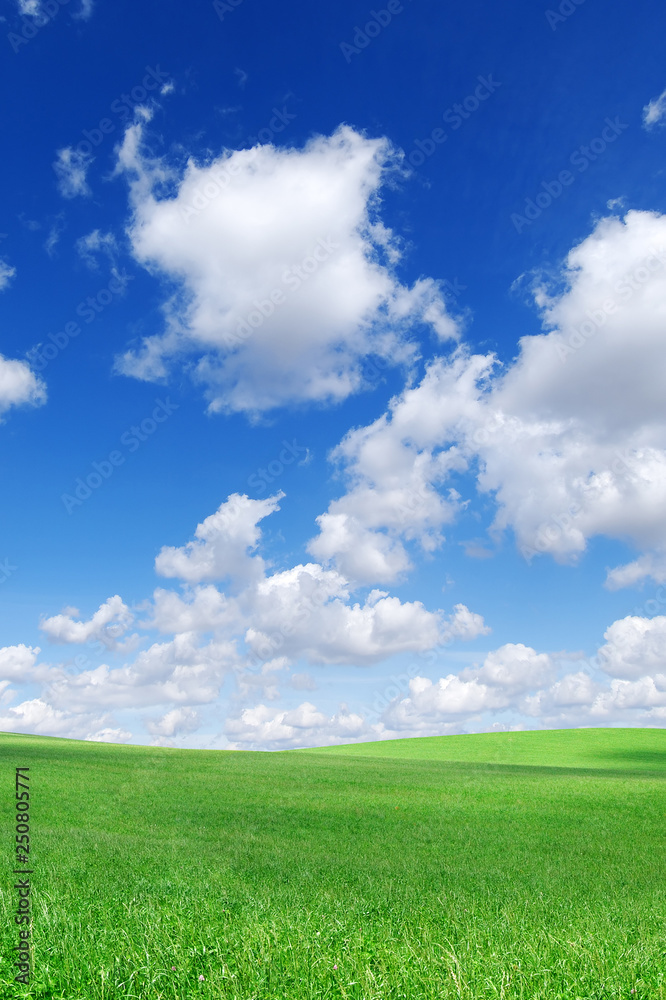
x=332, y=370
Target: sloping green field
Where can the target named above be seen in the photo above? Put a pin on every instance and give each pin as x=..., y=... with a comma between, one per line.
x=533, y=867
x=609, y=749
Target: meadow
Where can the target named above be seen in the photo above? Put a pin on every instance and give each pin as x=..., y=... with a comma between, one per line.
x=512, y=865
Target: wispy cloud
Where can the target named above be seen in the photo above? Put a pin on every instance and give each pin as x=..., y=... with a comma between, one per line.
x=655, y=112
x=7, y=272
x=71, y=167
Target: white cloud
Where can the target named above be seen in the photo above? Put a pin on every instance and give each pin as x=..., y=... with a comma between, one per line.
x=574, y=692
x=646, y=695
x=19, y=385
x=302, y=612
x=84, y=12
x=569, y=441
x=17, y=662
x=37, y=717
x=514, y=667
x=222, y=545
x=587, y=455
x=278, y=729
x=302, y=682
x=203, y=609
x=283, y=278
x=177, y=722
x=307, y=604
x=655, y=112
x=506, y=674
x=71, y=167
x=634, y=647
x=513, y=681
x=94, y=243
x=264, y=682
x=55, y=233
x=179, y=672
x=7, y=272
x=430, y=704
x=652, y=565
x=464, y=625
x=109, y=735
x=362, y=554
x=394, y=466
x=37, y=8
x=305, y=614
x=108, y=624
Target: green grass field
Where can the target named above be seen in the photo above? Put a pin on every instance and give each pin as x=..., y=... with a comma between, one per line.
x=598, y=748
x=506, y=865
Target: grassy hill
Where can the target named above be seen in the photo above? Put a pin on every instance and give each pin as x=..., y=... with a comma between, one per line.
x=530, y=868
x=632, y=749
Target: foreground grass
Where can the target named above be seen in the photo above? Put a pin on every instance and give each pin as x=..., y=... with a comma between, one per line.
x=417, y=878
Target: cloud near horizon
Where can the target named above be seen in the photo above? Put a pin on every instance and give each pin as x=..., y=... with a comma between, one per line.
x=275, y=621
